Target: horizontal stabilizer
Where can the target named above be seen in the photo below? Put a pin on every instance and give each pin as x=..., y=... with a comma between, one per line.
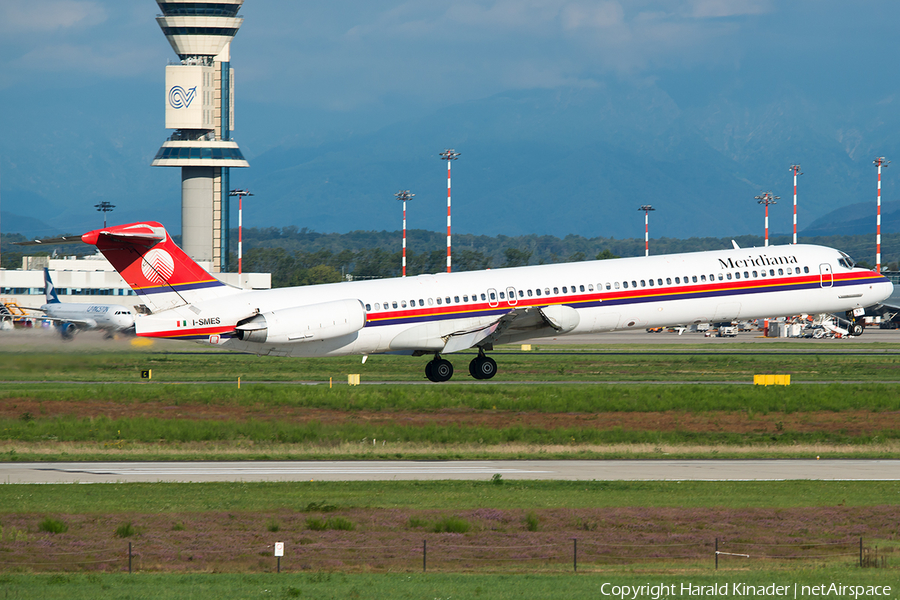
x=143, y=234
x=66, y=239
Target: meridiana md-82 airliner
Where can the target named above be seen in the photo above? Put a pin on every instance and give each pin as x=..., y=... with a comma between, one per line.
x=435, y=315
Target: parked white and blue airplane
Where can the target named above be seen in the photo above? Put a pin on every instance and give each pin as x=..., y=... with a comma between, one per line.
x=435, y=315
x=70, y=317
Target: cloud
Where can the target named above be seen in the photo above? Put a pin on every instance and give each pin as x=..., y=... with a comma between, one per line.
x=603, y=15
x=706, y=9
x=82, y=58
x=31, y=16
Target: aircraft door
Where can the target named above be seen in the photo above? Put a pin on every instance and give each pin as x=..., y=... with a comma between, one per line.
x=493, y=300
x=511, y=298
x=826, y=276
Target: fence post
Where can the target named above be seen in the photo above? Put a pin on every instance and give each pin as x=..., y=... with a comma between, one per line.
x=424, y=555
x=129, y=558
x=717, y=554
x=575, y=553
x=860, y=551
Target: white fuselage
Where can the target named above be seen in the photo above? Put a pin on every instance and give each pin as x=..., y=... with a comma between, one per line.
x=110, y=317
x=420, y=314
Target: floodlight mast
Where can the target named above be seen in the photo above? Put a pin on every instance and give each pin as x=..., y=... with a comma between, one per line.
x=646, y=208
x=104, y=207
x=767, y=198
x=880, y=162
x=796, y=170
x=449, y=155
x=240, y=194
x=404, y=196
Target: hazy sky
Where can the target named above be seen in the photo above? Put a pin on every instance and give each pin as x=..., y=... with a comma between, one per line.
x=307, y=71
x=375, y=60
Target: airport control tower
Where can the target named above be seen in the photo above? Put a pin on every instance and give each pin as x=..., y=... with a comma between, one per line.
x=200, y=108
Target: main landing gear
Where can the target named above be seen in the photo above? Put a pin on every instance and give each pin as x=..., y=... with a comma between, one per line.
x=482, y=367
x=439, y=369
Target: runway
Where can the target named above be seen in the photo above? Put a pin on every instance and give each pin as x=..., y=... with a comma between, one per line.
x=558, y=470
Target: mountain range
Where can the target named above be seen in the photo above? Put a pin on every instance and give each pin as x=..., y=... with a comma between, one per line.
x=569, y=160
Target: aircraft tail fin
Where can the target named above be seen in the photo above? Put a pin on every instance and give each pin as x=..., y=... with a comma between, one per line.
x=155, y=267
x=49, y=288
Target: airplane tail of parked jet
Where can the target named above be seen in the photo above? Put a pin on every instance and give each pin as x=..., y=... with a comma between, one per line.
x=155, y=267
x=49, y=288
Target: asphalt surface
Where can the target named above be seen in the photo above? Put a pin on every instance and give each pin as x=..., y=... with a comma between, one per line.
x=558, y=470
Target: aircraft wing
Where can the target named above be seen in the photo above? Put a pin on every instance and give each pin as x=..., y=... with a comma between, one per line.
x=558, y=317
x=32, y=308
x=82, y=323
x=430, y=337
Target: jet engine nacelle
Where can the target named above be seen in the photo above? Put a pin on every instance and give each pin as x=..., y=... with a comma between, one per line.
x=310, y=323
x=67, y=330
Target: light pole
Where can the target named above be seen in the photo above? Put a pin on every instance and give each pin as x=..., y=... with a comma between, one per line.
x=880, y=162
x=646, y=208
x=404, y=196
x=240, y=194
x=767, y=198
x=104, y=207
x=448, y=155
x=796, y=170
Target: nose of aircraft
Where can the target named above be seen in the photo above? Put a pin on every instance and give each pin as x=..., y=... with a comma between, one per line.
x=883, y=290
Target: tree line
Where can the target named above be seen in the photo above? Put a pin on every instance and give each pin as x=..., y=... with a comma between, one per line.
x=305, y=257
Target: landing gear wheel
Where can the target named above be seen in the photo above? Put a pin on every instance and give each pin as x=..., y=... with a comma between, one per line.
x=483, y=367
x=439, y=370
x=855, y=329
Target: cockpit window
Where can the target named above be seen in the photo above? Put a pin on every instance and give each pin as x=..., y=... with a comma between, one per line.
x=846, y=261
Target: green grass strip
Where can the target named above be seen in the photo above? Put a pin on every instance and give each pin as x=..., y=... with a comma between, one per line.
x=582, y=398
x=443, y=495
x=167, y=431
x=417, y=585
x=880, y=362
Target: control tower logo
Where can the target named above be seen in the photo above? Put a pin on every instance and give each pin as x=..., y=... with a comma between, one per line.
x=181, y=98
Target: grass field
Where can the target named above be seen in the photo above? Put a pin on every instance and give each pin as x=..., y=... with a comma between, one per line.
x=476, y=527
x=420, y=586
x=736, y=363
x=443, y=495
x=484, y=539
x=93, y=405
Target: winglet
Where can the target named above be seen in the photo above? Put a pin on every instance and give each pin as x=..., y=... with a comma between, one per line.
x=735, y=244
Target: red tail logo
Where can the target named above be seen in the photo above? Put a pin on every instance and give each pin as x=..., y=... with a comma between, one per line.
x=147, y=258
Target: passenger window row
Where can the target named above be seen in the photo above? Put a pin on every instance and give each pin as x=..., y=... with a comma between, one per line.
x=538, y=292
x=713, y=277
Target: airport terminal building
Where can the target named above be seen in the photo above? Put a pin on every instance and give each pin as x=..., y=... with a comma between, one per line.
x=90, y=279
